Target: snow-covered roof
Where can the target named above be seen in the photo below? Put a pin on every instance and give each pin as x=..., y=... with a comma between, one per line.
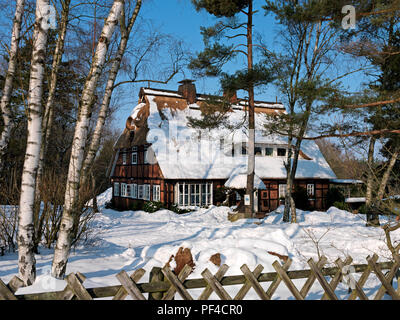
x=187, y=153
x=346, y=181
x=355, y=200
x=238, y=180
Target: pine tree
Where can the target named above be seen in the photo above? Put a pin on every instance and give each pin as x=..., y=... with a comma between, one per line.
x=216, y=54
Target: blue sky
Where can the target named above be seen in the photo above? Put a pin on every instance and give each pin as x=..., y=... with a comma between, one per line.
x=180, y=19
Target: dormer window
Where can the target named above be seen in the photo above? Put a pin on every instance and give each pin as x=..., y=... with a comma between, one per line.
x=134, y=158
x=258, y=151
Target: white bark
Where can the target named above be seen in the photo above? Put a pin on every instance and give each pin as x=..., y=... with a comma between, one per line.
x=386, y=175
x=95, y=142
x=8, y=84
x=26, y=262
x=49, y=109
x=63, y=245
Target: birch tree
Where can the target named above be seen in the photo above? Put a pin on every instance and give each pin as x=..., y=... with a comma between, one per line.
x=26, y=258
x=63, y=245
x=9, y=78
x=95, y=142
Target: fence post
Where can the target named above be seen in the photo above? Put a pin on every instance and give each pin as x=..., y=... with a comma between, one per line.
x=156, y=275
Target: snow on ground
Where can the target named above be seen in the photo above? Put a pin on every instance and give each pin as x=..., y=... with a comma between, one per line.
x=131, y=240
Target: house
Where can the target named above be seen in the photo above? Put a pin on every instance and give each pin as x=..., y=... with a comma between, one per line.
x=158, y=157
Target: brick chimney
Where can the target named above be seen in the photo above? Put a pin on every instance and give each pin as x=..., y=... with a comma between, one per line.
x=231, y=96
x=187, y=89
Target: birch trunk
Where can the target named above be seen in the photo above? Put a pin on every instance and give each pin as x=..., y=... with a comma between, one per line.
x=26, y=257
x=64, y=240
x=386, y=175
x=95, y=142
x=49, y=109
x=8, y=83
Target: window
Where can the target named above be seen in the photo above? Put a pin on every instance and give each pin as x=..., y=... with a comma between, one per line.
x=257, y=151
x=146, y=192
x=134, y=158
x=310, y=189
x=128, y=190
x=134, y=149
x=238, y=196
x=244, y=149
x=140, y=191
x=116, y=189
x=281, y=152
x=194, y=194
x=156, y=193
x=124, y=158
x=269, y=152
x=134, y=191
x=282, y=190
x=124, y=190
x=145, y=157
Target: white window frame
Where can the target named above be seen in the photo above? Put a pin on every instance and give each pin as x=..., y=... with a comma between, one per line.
x=116, y=189
x=124, y=190
x=282, y=190
x=140, y=191
x=134, y=154
x=146, y=192
x=311, y=189
x=134, y=191
x=156, y=192
x=184, y=199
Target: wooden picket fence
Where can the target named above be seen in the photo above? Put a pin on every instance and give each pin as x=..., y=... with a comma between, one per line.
x=165, y=285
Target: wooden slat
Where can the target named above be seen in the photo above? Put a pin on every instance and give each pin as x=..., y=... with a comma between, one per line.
x=5, y=292
x=15, y=283
x=219, y=275
x=363, y=279
x=176, y=283
x=247, y=286
x=252, y=279
x=122, y=293
x=385, y=281
x=276, y=282
x=339, y=275
x=285, y=278
x=215, y=285
x=130, y=286
x=78, y=289
x=321, y=279
x=67, y=293
x=382, y=290
x=311, y=279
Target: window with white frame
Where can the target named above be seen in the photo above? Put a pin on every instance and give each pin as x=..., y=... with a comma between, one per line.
x=134, y=159
x=116, y=189
x=140, y=191
x=194, y=194
x=128, y=190
x=156, y=193
x=134, y=191
x=146, y=192
x=282, y=190
x=124, y=158
x=124, y=190
x=310, y=189
x=145, y=157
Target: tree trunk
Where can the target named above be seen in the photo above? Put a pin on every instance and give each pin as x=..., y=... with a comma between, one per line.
x=64, y=240
x=386, y=175
x=95, y=142
x=47, y=121
x=8, y=83
x=49, y=108
x=26, y=262
x=249, y=210
x=370, y=179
